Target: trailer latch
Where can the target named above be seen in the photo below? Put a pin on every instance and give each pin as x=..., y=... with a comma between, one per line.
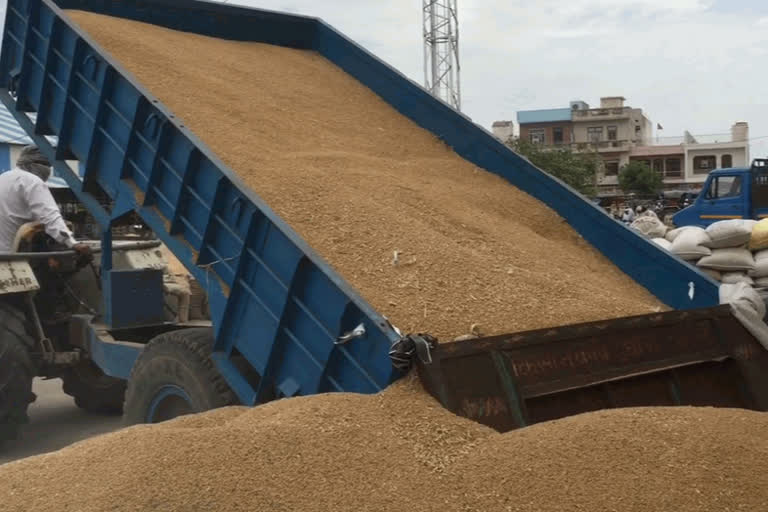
x=406, y=348
x=357, y=332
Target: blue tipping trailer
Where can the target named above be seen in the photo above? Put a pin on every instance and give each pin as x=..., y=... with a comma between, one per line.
x=284, y=322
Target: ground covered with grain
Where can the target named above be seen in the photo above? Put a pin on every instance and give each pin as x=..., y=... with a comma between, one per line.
x=399, y=450
x=361, y=182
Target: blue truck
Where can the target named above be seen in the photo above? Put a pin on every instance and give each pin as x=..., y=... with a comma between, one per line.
x=281, y=322
x=734, y=193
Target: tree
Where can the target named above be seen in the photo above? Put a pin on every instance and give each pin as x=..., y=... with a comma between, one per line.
x=639, y=178
x=579, y=170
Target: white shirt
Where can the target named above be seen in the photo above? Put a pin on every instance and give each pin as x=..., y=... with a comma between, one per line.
x=25, y=198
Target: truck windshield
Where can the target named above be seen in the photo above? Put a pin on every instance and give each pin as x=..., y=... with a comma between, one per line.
x=724, y=186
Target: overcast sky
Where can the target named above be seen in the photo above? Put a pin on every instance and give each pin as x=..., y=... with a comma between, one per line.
x=698, y=65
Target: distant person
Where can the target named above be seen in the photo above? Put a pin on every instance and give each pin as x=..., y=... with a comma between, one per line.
x=24, y=197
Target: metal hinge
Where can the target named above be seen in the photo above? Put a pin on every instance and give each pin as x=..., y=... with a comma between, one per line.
x=406, y=349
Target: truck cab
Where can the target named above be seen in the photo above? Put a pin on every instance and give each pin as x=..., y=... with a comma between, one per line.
x=735, y=193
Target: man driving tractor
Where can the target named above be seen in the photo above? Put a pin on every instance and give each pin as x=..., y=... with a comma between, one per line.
x=24, y=198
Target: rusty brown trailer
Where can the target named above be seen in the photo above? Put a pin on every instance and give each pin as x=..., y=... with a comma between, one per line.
x=701, y=357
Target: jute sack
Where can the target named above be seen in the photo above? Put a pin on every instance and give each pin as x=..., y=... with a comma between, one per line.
x=729, y=260
x=649, y=225
x=690, y=244
x=714, y=274
x=758, y=240
x=729, y=233
x=663, y=243
x=736, y=277
x=672, y=234
x=761, y=264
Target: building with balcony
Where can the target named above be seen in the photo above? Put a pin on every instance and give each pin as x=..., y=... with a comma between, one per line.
x=620, y=134
x=611, y=127
x=685, y=161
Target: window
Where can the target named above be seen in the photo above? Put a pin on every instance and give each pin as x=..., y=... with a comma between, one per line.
x=674, y=168
x=557, y=135
x=727, y=161
x=704, y=164
x=613, y=132
x=612, y=168
x=637, y=130
x=658, y=166
x=595, y=133
x=724, y=186
x=536, y=135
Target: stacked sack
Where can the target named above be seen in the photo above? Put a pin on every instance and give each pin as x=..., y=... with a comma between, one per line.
x=649, y=225
x=734, y=252
x=730, y=251
x=724, y=250
x=758, y=244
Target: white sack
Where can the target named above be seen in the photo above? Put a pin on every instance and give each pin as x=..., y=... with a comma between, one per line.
x=761, y=265
x=649, y=225
x=663, y=243
x=736, y=277
x=748, y=307
x=733, y=260
x=690, y=244
x=730, y=233
x=672, y=234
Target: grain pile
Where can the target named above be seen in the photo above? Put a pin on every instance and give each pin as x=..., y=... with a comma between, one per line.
x=359, y=181
x=399, y=450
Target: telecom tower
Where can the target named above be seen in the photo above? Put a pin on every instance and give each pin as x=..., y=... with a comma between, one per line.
x=441, y=51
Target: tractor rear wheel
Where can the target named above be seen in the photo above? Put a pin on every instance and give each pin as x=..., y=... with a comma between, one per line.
x=174, y=376
x=16, y=372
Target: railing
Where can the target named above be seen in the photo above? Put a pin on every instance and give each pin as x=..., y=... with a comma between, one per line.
x=612, y=145
x=711, y=138
x=601, y=112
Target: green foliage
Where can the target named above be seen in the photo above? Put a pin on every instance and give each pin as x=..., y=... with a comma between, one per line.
x=579, y=170
x=639, y=178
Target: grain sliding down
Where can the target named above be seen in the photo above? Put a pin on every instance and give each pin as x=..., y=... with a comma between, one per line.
x=400, y=451
x=359, y=181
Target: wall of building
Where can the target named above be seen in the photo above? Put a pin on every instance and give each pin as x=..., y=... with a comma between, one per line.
x=503, y=130
x=739, y=158
x=624, y=120
x=548, y=128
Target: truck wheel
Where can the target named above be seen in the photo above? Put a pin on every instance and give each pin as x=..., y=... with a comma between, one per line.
x=92, y=390
x=174, y=376
x=16, y=372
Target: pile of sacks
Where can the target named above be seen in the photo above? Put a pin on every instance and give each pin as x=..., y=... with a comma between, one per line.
x=733, y=252
x=730, y=251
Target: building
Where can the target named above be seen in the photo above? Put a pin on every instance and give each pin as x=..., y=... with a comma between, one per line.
x=550, y=127
x=612, y=126
x=685, y=161
x=621, y=134
x=503, y=130
x=12, y=139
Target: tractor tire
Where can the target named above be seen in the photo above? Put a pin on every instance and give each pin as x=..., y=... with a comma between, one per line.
x=16, y=372
x=174, y=376
x=94, y=391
